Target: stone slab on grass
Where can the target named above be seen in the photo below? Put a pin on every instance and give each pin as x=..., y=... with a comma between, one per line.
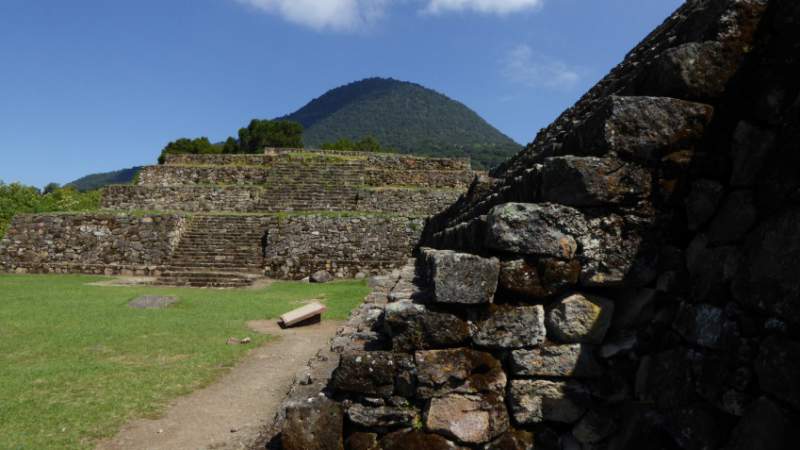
x=152, y=302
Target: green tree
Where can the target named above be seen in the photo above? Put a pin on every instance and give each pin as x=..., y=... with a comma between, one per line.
x=231, y=146
x=17, y=198
x=261, y=134
x=367, y=144
x=199, y=146
x=51, y=187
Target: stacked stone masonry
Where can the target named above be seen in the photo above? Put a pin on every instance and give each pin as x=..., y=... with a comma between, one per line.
x=630, y=280
x=226, y=219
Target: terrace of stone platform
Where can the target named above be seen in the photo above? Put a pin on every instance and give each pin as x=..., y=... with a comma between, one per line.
x=296, y=180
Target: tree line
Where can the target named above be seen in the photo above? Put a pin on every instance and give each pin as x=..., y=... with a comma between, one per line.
x=17, y=198
x=260, y=134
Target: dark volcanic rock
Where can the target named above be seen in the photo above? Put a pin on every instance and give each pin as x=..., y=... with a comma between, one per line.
x=574, y=360
x=313, y=425
x=768, y=281
x=609, y=251
x=470, y=419
x=541, y=279
x=382, y=416
x=735, y=217
x=642, y=128
x=696, y=70
x=535, y=229
x=460, y=277
x=590, y=181
x=416, y=327
x=778, y=369
x=512, y=327
x=705, y=325
x=512, y=440
x=765, y=427
x=534, y=401
x=749, y=151
x=593, y=427
x=462, y=370
x=408, y=440
x=702, y=202
x=665, y=378
x=374, y=373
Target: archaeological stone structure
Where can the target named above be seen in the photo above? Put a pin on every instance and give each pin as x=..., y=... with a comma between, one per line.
x=630, y=280
x=224, y=220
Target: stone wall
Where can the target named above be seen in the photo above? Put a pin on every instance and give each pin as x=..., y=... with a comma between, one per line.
x=344, y=246
x=630, y=280
x=255, y=199
x=384, y=161
x=89, y=243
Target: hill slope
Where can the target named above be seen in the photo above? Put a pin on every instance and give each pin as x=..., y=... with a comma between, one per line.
x=405, y=116
x=98, y=180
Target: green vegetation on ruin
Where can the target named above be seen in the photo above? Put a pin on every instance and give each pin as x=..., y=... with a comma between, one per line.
x=77, y=362
x=17, y=198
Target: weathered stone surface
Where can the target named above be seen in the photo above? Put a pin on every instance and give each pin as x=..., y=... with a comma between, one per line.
x=695, y=70
x=462, y=370
x=540, y=279
x=593, y=427
x=643, y=128
x=697, y=426
x=373, y=373
x=321, y=276
x=705, y=325
x=535, y=401
x=382, y=416
x=406, y=440
x=362, y=441
x=590, y=181
x=460, y=277
x=665, y=378
x=152, y=302
x=512, y=440
x=470, y=419
x=313, y=425
x=415, y=327
x=750, y=147
x=512, y=327
x=778, y=369
x=535, y=229
x=768, y=281
x=579, y=318
x=765, y=427
x=608, y=251
x=711, y=268
x=574, y=360
x=702, y=202
x=735, y=218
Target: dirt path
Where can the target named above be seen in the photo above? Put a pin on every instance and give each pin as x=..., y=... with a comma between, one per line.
x=232, y=412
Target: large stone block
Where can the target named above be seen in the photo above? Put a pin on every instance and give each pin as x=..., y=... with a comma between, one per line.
x=573, y=360
x=641, y=128
x=768, y=282
x=706, y=326
x=462, y=370
x=535, y=401
x=778, y=369
x=379, y=374
x=316, y=424
x=414, y=439
x=591, y=181
x=535, y=229
x=385, y=416
x=609, y=251
x=415, y=327
x=460, y=277
x=470, y=419
x=540, y=279
x=579, y=318
x=510, y=327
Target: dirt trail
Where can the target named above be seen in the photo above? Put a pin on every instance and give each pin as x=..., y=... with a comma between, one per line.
x=231, y=413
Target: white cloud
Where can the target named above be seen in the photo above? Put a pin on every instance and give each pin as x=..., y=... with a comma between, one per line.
x=337, y=15
x=500, y=7
x=522, y=65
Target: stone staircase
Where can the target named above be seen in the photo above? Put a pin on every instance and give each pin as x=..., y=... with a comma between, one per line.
x=218, y=252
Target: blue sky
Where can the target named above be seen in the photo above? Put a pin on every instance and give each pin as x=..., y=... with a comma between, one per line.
x=97, y=85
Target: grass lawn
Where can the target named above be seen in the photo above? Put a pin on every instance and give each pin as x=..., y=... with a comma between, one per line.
x=76, y=362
